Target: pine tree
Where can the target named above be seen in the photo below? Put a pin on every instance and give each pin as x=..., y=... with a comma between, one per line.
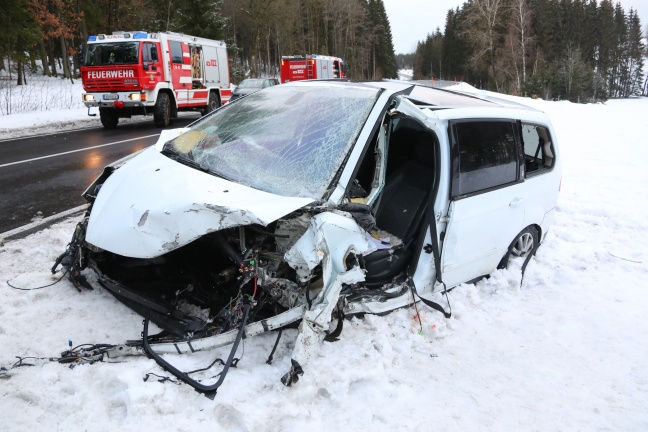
x=635, y=56
x=428, y=58
x=383, y=58
x=19, y=33
x=199, y=17
x=455, y=48
x=619, y=70
x=607, y=43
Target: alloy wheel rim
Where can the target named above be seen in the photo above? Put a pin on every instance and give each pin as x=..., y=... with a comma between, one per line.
x=523, y=245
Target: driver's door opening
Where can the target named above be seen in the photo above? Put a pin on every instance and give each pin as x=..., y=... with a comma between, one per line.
x=394, y=180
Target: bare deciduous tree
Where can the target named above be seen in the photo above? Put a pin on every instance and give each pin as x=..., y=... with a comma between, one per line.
x=483, y=26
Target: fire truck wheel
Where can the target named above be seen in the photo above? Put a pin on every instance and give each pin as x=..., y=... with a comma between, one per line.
x=162, y=112
x=214, y=102
x=109, y=118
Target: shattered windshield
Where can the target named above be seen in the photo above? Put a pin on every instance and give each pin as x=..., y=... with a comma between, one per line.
x=109, y=53
x=286, y=140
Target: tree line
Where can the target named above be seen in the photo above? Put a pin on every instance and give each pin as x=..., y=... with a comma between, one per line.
x=578, y=50
x=45, y=35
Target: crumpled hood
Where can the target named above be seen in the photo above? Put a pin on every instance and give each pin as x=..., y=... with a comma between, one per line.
x=153, y=205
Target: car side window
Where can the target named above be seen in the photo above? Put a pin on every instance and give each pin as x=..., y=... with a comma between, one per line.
x=485, y=156
x=538, y=149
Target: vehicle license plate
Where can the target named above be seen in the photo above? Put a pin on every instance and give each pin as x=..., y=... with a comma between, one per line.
x=111, y=96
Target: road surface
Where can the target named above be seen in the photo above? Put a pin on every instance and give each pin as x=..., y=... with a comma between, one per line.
x=44, y=175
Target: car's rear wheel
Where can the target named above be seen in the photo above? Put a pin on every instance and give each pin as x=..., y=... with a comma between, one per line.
x=522, y=246
x=109, y=118
x=162, y=112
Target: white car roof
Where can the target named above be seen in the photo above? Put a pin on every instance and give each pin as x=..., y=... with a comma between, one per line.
x=445, y=105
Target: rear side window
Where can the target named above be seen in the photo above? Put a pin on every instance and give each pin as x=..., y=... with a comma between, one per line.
x=538, y=149
x=485, y=156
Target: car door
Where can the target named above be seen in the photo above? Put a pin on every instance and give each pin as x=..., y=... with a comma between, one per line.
x=152, y=67
x=542, y=177
x=181, y=71
x=486, y=209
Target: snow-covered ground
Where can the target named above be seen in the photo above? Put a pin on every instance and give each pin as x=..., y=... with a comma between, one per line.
x=566, y=351
x=405, y=74
x=43, y=105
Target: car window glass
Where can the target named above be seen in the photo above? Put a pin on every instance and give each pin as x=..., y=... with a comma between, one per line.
x=149, y=53
x=487, y=154
x=287, y=140
x=251, y=83
x=111, y=53
x=538, y=149
x=176, y=52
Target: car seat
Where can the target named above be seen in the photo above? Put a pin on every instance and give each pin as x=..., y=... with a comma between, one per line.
x=400, y=212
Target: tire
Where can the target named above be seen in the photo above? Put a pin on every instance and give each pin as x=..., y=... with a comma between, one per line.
x=162, y=111
x=212, y=104
x=109, y=118
x=522, y=246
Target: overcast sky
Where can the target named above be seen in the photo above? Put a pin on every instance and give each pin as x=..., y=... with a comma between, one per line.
x=412, y=20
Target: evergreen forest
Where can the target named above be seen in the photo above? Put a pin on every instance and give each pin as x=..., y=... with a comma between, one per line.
x=257, y=32
x=581, y=50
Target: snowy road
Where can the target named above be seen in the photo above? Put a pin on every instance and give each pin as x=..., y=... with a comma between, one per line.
x=46, y=174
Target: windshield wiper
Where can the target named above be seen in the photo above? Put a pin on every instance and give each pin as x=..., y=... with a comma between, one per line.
x=186, y=161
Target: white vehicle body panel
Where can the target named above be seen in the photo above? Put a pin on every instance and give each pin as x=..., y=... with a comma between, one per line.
x=482, y=226
x=480, y=230
x=153, y=205
x=329, y=240
x=216, y=56
x=365, y=135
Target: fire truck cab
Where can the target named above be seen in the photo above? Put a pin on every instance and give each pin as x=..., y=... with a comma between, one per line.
x=140, y=73
x=297, y=68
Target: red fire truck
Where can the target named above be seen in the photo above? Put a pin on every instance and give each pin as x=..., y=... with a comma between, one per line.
x=140, y=73
x=296, y=68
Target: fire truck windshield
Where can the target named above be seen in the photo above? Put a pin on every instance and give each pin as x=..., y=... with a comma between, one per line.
x=109, y=53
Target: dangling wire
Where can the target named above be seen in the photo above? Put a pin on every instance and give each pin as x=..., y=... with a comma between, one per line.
x=418, y=314
x=40, y=287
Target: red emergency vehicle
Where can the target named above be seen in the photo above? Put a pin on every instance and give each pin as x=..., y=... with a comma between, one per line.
x=296, y=68
x=140, y=73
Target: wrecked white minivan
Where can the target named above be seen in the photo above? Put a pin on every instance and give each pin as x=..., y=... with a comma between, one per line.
x=314, y=201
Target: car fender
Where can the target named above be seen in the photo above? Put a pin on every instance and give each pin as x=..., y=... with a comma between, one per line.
x=329, y=240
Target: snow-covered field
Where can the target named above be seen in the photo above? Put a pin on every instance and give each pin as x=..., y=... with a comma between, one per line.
x=566, y=351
